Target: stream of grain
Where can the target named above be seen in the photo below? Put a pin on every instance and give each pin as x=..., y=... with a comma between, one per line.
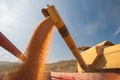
x=33, y=67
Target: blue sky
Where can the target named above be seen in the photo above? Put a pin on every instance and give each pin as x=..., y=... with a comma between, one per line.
x=89, y=22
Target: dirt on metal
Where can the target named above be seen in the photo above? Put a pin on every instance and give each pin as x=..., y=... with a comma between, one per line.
x=33, y=68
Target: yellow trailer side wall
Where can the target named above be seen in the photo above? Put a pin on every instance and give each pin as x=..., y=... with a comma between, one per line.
x=111, y=57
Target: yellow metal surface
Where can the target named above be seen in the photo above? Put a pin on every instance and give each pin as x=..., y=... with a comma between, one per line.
x=112, y=56
x=102, y=56
x=89, y=57
x=55, y=16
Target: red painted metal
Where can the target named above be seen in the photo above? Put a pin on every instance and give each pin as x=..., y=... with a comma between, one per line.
x=6, y=44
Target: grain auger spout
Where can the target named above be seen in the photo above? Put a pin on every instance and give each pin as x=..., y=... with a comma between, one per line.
x=58, y=22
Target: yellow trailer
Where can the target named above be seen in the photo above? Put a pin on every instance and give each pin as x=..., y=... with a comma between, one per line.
x=103, y=57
